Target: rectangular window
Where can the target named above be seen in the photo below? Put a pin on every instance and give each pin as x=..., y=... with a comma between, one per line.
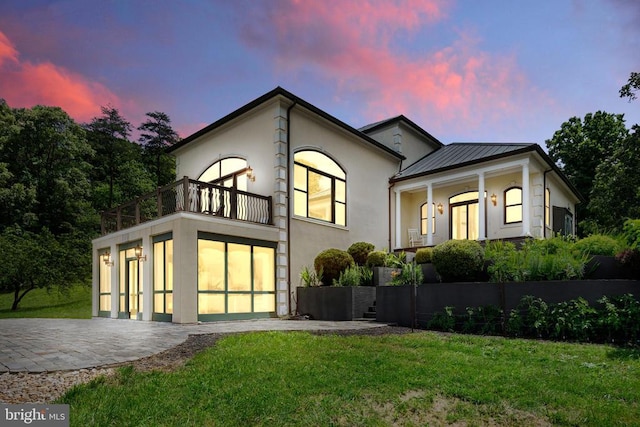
x=424, y=217
x=236, y=276
x=162, y=278
x=547, y=207
x=104, y=300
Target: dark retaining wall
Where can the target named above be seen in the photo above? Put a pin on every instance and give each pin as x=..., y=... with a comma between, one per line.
x=335, y=303
x=393, y=303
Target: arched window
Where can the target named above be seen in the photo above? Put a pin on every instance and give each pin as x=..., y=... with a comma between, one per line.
x=228, y=172
x=424, y=217
x=464, y=216
x=513, y=205
x=320, y=187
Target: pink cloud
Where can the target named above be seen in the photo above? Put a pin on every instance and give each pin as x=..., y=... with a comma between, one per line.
x=25, y=84
x=361, y=45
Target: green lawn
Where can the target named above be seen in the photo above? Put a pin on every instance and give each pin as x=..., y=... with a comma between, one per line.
x=75, y=304
x=299, y=379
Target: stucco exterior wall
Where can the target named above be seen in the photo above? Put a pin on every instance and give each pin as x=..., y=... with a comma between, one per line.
x=368, y=170
x=402, y=138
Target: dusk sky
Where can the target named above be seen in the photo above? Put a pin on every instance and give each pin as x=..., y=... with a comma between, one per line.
x=489, y=70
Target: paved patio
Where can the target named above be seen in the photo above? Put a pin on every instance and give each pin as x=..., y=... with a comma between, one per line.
x=41, y=345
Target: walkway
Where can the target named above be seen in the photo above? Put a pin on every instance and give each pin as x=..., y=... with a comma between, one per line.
x=40, y=345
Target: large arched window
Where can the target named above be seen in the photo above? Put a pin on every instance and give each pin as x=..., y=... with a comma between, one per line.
x=513, y=205
x=320, y=188
x=228, y=172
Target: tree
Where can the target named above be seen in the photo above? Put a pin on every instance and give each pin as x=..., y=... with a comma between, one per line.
x=157, y=135
x=633, y=85
x=108, y=135
x=44, y=172
x=580, y=146
x=616, y=189
x=39, y=260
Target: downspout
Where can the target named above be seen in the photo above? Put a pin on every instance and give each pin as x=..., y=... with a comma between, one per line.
x=288, y=204
x=544, y=207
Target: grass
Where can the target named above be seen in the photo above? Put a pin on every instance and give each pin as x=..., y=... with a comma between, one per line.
x=74, y=304
x=299, y=379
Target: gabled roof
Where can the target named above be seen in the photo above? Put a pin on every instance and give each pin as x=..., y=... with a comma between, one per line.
x=278, y=91
x=458, y=155
x=397, y=119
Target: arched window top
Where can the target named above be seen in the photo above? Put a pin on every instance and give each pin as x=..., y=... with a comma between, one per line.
x=320, y=161
x=226, y=167
x=464, y=197
x=320, y=187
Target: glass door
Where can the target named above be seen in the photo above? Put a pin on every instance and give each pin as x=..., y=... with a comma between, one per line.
x=133, y=289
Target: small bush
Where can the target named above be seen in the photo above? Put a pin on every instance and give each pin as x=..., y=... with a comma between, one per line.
x=309, y=277
x=458, y=260
x=395, y=260
x=598, y=244
x=332, y=262
x=483, y=320
x=423, y=255
x=376, y=259
x=349, y=277
x=445, y=321
x=359, y=252
x=411, y=274
x=631, y=233
x=503, y=259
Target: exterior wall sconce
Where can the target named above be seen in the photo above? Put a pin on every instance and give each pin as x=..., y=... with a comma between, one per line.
x=138, y=252
x=250, y=174
x=494, y=199
x=106, y=257
x=440, y=208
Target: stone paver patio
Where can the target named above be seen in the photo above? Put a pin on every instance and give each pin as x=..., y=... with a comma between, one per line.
x=42, y=345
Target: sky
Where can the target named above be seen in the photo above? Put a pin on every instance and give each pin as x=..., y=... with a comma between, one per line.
x=463, y=70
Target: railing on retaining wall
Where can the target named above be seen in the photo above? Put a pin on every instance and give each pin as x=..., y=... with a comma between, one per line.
x=188, y=195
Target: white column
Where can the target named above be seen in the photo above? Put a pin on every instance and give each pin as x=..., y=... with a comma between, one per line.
x=429, y=214
x=398, y=222
x=526, y=201
x=115, y=280
x=482, y=208
x=147, y=278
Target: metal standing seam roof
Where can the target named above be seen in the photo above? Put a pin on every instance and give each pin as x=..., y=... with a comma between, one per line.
x=459, y=154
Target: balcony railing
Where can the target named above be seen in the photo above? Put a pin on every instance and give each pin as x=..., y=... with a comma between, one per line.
x=188, y=195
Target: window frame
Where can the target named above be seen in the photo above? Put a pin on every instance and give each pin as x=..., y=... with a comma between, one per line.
x=335, y=203
x=547, y=207
x=507, y=206
x=162, y=315
x=424, y=213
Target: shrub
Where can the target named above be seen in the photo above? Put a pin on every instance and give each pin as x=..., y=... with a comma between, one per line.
x=619, y=319
x=503, y=260
x=484, y=320
x=598, y=244
x=443, y=321
x=309, y=277
x=376, y=259
x=395, y=260
x=409, y=275
x=423, y=255
x=349, y=277
x=359, y=252
x=332, y=262
x=631, y=233
x=458, y=260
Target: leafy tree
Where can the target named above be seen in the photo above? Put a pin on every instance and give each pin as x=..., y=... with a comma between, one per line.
x=616, y=189
x=44, y=175
x=580, y=146
x=633, y=85
x=40, y=260
x=157, y=134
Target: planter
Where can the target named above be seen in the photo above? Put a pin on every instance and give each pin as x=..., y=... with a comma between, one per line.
x=383, y=275
x=335, y=303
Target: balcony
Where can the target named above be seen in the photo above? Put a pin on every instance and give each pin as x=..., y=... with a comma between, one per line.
x=188, y=195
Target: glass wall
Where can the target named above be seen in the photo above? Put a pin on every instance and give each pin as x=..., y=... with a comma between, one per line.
x=163, y=278
x=236, y=277
x=104, y=299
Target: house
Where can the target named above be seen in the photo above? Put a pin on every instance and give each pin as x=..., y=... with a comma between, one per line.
x=270, y=185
